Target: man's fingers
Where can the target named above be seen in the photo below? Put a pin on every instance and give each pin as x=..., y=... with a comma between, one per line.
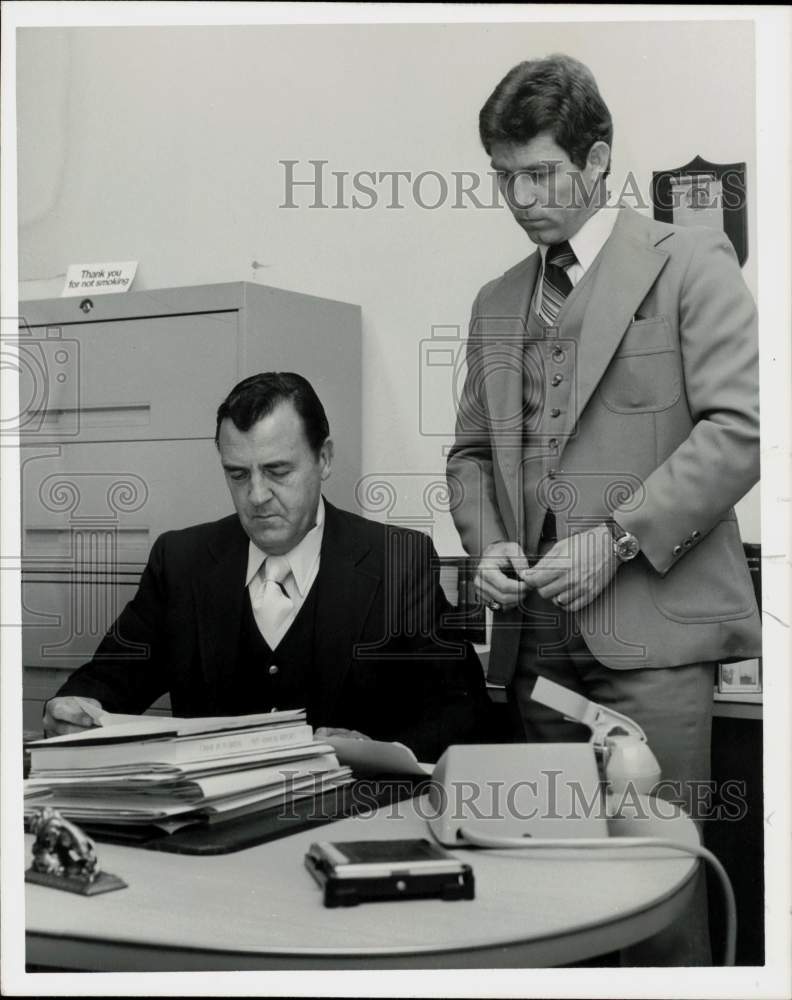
x=519, y=562
x=63, y=728
x=324, y=732
x=75, y=715
x=538, y=579
x=91, y=708
x=69, y=715
x=493, y=584
x=556, y=588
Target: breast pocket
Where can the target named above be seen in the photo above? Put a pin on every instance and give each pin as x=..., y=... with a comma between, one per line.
x=645, y=374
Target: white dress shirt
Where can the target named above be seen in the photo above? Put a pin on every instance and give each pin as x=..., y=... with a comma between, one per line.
x=303, y=562
x=586, y=244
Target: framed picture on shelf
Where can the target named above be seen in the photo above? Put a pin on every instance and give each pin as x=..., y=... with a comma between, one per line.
x=743, y=677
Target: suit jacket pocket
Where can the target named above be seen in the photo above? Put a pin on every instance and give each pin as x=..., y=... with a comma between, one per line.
x=710, y=584
x=645, y=374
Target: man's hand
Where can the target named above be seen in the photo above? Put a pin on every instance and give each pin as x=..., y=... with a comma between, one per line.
x=576, y=569
x=324, y=732
x=70, y=715
x=491, y=580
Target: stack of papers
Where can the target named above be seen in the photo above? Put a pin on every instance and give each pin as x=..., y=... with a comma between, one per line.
x=166, y=772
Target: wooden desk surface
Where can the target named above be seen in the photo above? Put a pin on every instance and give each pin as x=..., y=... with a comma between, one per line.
x=261, y=909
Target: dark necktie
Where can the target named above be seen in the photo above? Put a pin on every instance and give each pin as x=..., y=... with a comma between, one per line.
x=556, y=284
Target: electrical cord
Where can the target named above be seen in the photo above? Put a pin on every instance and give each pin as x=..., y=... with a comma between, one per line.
x=696, y=850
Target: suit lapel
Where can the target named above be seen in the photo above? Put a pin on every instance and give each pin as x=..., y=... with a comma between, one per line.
x=344, y=595
x=219, y=596
x=628, y=267
x=502, y=360
x=503, y=342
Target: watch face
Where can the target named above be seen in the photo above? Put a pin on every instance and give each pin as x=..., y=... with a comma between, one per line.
x=627, y=547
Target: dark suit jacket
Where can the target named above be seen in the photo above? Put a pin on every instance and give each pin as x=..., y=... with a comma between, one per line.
x=385, y=664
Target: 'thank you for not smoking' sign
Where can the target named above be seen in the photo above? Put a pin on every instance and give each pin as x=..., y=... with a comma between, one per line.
x=100, y=279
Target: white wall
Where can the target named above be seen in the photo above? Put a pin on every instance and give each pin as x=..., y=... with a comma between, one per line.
x=162, y=145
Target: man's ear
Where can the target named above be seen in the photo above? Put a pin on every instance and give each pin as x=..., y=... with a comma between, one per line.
x=326, y=457
x=598, y=158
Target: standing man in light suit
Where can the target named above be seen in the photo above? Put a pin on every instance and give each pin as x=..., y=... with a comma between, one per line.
x=607, y=426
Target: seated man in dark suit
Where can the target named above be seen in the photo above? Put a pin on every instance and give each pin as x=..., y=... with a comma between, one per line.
x=289, y=603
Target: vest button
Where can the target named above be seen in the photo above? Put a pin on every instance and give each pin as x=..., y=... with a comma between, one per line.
x=552, y=473
x=555, y=412
x=553, y=442
x=558, y=379
x=558, y=354
x=273, y=670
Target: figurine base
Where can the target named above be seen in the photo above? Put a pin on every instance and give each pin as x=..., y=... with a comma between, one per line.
x=104, y=882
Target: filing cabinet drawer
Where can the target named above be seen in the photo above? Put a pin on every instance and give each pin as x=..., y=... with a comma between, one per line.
x=86, y=506
x=63, y=622
x=162, y=377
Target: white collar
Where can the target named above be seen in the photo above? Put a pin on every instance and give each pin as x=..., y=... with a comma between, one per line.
x=302, y=558
x=592, y=236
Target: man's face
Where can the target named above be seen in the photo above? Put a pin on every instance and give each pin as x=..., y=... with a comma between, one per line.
x=275, y=478
x=547, y=194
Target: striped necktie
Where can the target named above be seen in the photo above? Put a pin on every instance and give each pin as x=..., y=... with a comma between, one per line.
x=555, y=283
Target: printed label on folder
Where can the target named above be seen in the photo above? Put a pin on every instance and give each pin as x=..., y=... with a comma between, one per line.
x=100, y=279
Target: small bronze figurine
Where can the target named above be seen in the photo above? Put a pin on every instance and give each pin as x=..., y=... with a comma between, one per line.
x=64, y=857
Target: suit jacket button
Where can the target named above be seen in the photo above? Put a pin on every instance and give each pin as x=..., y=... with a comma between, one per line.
x=558, y=354
x=555, y=412
x=558, y=379
x=552, y=473
x=677, y=550
x=273, y=670
x=553, y=442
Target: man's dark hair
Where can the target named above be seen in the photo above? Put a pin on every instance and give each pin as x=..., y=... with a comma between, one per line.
x=557, y=95
x=257, y=396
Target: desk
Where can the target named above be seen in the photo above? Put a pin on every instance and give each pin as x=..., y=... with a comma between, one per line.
x=261, y=909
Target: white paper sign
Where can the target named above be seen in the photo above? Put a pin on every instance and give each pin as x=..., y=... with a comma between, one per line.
x=100, y=279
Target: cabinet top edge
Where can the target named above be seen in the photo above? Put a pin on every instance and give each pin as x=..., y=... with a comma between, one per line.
x=221, y=297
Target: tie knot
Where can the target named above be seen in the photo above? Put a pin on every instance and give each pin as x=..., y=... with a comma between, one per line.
x=561, y=255
x=276, y=569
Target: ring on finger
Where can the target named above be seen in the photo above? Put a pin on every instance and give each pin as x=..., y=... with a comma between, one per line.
x=494, y=605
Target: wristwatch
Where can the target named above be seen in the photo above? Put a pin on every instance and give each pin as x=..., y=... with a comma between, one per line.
x=625, y=545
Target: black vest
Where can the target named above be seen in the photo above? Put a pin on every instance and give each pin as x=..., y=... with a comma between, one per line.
x=266, y=679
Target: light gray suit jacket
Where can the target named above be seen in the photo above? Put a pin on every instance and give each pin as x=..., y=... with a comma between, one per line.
x=654, y=421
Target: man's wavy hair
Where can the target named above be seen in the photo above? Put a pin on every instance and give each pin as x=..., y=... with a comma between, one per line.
x=257, y=396
x=557, y=95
